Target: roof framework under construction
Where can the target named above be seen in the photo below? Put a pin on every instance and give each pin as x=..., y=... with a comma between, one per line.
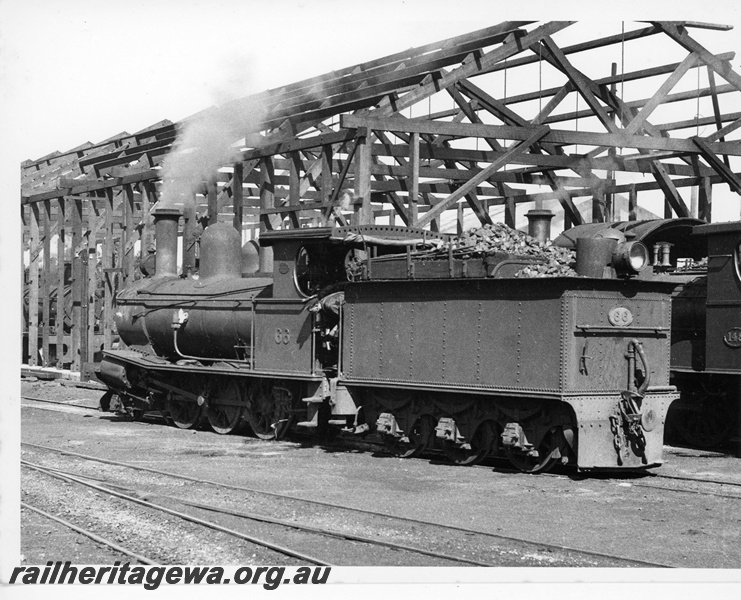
x=477, y=128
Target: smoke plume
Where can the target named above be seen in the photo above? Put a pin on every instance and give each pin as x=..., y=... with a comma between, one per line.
x=212, y=138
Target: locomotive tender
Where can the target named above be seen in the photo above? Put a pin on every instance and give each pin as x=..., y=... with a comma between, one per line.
x=372, y=331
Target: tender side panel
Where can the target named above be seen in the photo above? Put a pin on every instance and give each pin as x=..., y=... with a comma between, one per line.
x=458, y=334
x=723, y=342
x=689, y=325
x=602, y=325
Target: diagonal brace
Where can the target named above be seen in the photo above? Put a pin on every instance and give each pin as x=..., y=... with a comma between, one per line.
x=509, y=156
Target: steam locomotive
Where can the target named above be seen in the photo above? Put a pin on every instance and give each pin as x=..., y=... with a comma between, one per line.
x=704, y=262
x=401, y=336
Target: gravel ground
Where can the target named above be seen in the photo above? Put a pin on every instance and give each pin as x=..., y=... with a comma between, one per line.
x=599, y=514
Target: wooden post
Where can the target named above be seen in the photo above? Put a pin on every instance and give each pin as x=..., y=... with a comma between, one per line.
x=632, y=203
x=46, y=284
x=92, y=280
x=413, y=180
x=24, y=299
x=148, y=199
x=84, y=354
x=61, y=299
x=294, y=190
x=326, y=185
x=33, y=289
x=128, y=235
x=76, y=324
x=267, y=201
x=190, y=236
x=459, y=219
x=109, y=275
x=237, y=196
x=213, y=205
x=510, y=211
x=363, y=163
x=598, y=204
x=705, y=199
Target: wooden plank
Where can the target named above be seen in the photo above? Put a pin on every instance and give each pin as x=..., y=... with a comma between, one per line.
x=475, y=64
x=507, y=157
x=46, y=283
x=33, y=291
x=721, y=67
x=555, y=56
x=661, y=93
x=718, y=135
x=560, y=136
x=716, y=111
x=728, y=176
x=632, y=203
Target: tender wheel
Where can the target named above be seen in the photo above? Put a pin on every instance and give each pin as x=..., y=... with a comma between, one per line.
x=547, y=454
x=476, y=450
x=269, y=409
x=185, y=414
x=224, y=414
x=421, y=437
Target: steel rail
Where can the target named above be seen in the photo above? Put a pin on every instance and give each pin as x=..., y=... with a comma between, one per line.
x=288, y=524
x=186, y=517
x=87, y=533
x=95, y=408
x=696, y=479
x=559, y=547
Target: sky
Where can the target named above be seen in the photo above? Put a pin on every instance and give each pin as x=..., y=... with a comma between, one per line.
x=73, y=71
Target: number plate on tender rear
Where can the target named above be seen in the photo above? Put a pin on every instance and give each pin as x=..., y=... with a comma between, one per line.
x=620, y=316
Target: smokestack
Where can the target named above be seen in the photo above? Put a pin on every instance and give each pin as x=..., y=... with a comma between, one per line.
x=166, y=236
x=539, y=224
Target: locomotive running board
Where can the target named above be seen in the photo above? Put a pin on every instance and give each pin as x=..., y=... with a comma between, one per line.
x=137, y=359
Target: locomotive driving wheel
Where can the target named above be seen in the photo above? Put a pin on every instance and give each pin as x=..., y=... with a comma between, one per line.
x=184, y=413
x=420, y=438
x=473, y=452
x=541, y=460
x=224, y=412
x=269, y=409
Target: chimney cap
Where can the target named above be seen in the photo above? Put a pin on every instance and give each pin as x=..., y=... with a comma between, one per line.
x=167, y=212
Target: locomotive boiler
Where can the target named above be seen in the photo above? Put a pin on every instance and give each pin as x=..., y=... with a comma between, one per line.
x=409, y=338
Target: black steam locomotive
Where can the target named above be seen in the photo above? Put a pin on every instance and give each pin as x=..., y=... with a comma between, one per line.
x=405, y=337
x=704, y=263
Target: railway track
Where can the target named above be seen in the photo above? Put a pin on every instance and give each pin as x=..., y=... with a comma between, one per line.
x=141, y=559
x=59, y=402
x=717, y=488
x=431, y=541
